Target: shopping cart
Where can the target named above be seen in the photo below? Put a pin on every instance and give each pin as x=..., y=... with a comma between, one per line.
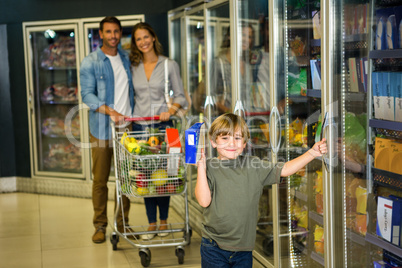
x=144, y=169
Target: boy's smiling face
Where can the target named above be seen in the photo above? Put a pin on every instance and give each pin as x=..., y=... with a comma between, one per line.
x=228, y=146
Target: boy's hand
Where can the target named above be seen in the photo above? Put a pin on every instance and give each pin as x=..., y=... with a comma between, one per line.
x=319, y=148
x=202, y=162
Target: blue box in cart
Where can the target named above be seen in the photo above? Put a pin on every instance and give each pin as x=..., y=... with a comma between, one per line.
x=195, y=141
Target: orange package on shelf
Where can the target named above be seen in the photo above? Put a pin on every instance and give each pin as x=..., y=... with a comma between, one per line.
x=361, y=224
x=396, y=157
x=382, y=153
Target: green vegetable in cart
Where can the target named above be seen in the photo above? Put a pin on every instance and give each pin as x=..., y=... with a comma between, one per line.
x=153, y=130
x=145, y=149
x=181, y=172
x=163, y=148
x=152, y=189
x=179, y=188
x=124, y=189
x=147, y=163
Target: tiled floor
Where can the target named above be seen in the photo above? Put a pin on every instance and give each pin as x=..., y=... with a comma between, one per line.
x=42, y=231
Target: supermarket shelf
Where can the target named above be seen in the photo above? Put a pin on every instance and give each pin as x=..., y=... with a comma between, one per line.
x=387, y=179
x=61, y=68
x=382, y=54
x=301, y=196
x=356, y=237
x=301, y=248
x=316, y=217
x=391, y=125
x=356, y=96
x=356, y=37
x=59, y=136
x=315, y=42
x=350, y=96
x=315, y=93
x=388, y=128
x=298, y=98
x=75, y=102
x=318, y=258
x=377, y=241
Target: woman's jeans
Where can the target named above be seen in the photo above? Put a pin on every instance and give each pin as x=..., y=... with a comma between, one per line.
x=214, y=257
x=152, y=202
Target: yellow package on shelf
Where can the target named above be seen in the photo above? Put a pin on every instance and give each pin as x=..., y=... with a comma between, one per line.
x=382, y=153
x=396, y=157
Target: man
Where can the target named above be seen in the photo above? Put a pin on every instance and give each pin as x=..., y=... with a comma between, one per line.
x=106, y=87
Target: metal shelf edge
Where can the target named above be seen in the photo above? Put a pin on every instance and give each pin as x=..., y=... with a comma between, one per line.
x=383, y=244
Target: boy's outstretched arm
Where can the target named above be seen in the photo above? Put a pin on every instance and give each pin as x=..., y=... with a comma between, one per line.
x=298, y=163
x=202, y=191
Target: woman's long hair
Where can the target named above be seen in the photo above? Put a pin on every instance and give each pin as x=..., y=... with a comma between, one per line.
x=136, y=55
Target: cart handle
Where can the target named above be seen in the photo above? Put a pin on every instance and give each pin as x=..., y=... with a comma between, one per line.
x=148, y=118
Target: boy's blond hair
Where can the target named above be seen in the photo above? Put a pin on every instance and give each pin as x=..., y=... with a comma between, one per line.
x=228, y=124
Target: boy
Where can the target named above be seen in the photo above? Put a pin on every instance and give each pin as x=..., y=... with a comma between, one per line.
x=229, y=188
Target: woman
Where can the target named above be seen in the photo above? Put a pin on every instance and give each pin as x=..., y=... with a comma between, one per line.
x=148, y=70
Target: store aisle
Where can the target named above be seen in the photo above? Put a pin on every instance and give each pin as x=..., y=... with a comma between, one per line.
x=42, y=231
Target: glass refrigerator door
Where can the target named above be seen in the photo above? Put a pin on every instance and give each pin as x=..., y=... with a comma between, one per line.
x=175, y=31
x=51, y=59
x=219, y=78
x=253, y=94
x=253, y=103
x=296, y=113
x=349, y=91
x=195, y=47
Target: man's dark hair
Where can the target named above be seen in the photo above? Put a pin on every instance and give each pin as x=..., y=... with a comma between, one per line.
x=110, y=19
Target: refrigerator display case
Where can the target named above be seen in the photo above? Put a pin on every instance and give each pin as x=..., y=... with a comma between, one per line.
x=322, y=62
x=299, y=224
x=384, y=160
x=345, y=100
x=327, y=44
x=52, y=59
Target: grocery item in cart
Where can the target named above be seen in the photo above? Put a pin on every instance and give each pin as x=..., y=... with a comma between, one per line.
x=145, y=169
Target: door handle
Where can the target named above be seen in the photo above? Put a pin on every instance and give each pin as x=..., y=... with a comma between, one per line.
x=330, y=158
x=275, y=112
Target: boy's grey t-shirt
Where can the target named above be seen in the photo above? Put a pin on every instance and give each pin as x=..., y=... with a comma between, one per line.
x=236, y=187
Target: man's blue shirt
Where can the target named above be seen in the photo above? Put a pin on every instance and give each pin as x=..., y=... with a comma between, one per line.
x=97, y=89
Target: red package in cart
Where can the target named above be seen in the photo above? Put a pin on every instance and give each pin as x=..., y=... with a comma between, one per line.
x=173, y=145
